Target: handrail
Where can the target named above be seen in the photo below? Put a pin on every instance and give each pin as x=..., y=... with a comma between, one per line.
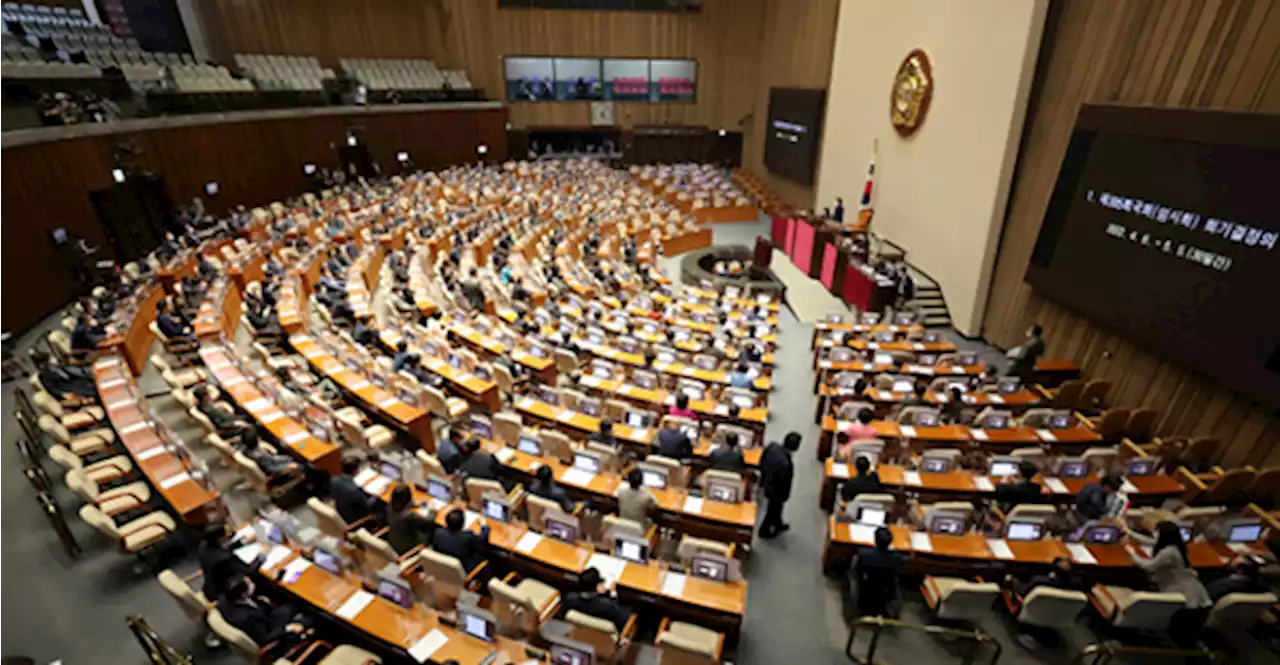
x=159, y=652
x=1103, y=653
x=880, y=623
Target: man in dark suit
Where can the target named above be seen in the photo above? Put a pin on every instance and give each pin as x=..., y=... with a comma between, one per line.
x=352, y=503
x=218, y=565
x=87, y=334
x=170, y=324
x=728, y=456
x=876, y=571
x=258, y=618
x=477, y=463
x=777, y=470
x=463, y=545
x=406, y=529
x=544, y=485
x=1024, y=356
x=472, y=291
x=1024, y=490
x=591, y=599
x=62, y=381
x=674, y=443
x=448, y=452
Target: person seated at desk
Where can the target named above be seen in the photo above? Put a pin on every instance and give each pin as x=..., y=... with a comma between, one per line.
x=352, y=503
x=263, y=320
x=279, y=469
x=876, y=572
x=205, y=268
x=64, y=381
x=752, y=353
x=1099, y=500
x=520, y=294
x=170, y=324
x=605, y=435
x=593, y=598
x=406, y=529
x=1242, y=577
x=473, y=291
x=916, y=398
x=448, y=451
x=363, y=334
x=728, y=456
x=453, y=540
x=1024, y=490
x=739, y=378
x=1061, y=576
x=404, y=302
x=221, y=414
x=218, y=566
x=635, y=501
x=681, y=408
x=272, y=267
x=864, y=480
x=477, y=463
x=265, y=623
x=674, y=443
x=954, y=411
x=87, y=334
x=859, y=430
x=544, y=485
x=1169, y=569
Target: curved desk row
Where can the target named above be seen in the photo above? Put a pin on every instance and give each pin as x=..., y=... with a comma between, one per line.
x=658, y=398
x=885, y=401
x=1077, y=437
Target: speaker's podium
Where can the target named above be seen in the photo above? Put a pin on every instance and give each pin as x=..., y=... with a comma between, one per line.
x=134, y=214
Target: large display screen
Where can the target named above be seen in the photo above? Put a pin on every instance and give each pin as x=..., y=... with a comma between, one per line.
x=792, y=136
x=1163, y=226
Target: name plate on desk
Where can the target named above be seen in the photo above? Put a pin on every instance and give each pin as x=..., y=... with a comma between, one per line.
x=673, y=584
x=979, y=435
x=907, y=431
x=1046, y=435
x=921, y=542
x=693, y=504
x=1056, y=486
x=1080, y=554
x=149, y=453
x=174, y=480
x=354, y=604
x=1000, y=549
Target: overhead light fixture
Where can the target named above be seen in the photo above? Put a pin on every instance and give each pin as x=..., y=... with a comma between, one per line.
x=211, y=188
x=308, y=168
x=351, y=140
x=482, y=149
x=117, y=175
x=722, y=133
x=402, y=156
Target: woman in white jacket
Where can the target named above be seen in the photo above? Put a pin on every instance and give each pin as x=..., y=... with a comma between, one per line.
x=1170, y=571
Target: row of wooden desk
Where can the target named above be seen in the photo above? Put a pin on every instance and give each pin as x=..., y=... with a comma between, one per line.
x=995, y=440
x=468, y=385
x=657, y=398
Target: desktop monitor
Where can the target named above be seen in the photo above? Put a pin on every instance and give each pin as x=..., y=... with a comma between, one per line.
x=1024, y=531
x=763, y=299
x=872, y=516
x=601, y=372
x=709, y=567
x=1073, y=468
x=650, y=328
x=996, y=420
x=1186, y=531
x=455, y=361
x=743, y=401
x=391, y=470
x=904, y=318
x=1101, y=534
x=903, y=385
x=586, y=461
x=927, y=359
x=948, y=525
x=653, y=478
x=482, y=372
x=529, y=445
x=275, y=534
x=589, y=407
x=477, y=623
x=885, y=336
x=631, y=549
x=482, y=428
x=395, y=590
x=496, y=509
x=869, y=318
x=882, y=358
x=681, y=336
x=1060, y=420
x=1003, y=468
x=1008, y=384
x=1244, y=533
x=561, y=529
x=439, y=488
x=537, y=351
x=569, y=652
x=645, y=380
x=925, y=419
x=722, y=491
x=637, y=420
x=966, y=359
x=931, y=337
x=705, y=362
x=666, y=356
x=935, y=465
x=595, y=338
x=1141, y=466
x=628, y=345
x=327, y=561
x=694, y=392
x=430, y=349
x=549, y=395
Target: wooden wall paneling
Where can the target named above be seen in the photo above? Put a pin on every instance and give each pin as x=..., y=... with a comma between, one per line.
x=1179, y=53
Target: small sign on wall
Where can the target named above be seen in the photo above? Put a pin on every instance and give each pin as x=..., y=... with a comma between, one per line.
x=602, y=113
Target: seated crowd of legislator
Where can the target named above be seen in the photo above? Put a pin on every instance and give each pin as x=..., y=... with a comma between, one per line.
x=592, y=411
x=702, y=185
x=936, y=462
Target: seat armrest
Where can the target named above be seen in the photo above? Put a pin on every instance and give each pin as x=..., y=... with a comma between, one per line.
x=933, y=587
x=135, y=497
x=1083, y=420
x=628, y=629
x=1128, y=446
x=410, y=554
x=471, y=576
x=509, y=579
x=1190, y=479
x=193, y=576
x=552, y=609
x=662, y=628
x=1042, y=392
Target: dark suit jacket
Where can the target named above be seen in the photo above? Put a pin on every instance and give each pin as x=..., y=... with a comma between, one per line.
x=1032, y=349
x=170, y=325
x=776, y=472
x=86, y=337
x=674, y=444
x=467, y=547
x=258, y=620
x=856, y=485
x=552, y=492
x=407, y=529
x=449, y=455
x=725, y=458
x=480, y=465
x=877, y=574
x=351, y=502
x=63, y=380
x=598, y=605
x=1023, y=491
x=218, y=566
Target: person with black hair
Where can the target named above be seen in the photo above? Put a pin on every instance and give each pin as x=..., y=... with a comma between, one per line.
x=62, y=381
x=1022, y=358
x=876, y=572
x=593, y=599
x=953, y=412
x=605, y=435
x=264, y=622
x=635, y=501
x=406, y=529
x=448, y=451
x=544, y=485
x=87, y=334
x=674, y=443
x=455, y=541
x=728, y=456
x=681, y=408
x=217, y=565
x=1097, y=500
x=170, y=324
x=864, y=480
x=1024, y=490
x=777, y=471
x=351, y=502
x=477, y=463
x=740, y=377
x=1169, y=569
x=1242, y=577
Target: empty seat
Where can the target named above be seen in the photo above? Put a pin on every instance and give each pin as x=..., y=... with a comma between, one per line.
x=1123, y=607
x=957, y=599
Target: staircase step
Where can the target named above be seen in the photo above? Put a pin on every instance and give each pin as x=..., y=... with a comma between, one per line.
x=937, y=322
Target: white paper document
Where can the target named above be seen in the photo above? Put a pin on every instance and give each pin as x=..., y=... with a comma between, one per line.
x=693, y=504
x=528, y=542
x=1056, y=486
x=504, y=455
x=673, y=584
x=1080, y=553
x=365, y=476
x=610, y=567
x=355, y=604
x=995, y=399
x=430, y=643
x=978, y=434
x=257, y=404
x=983, y=483
x=275, y=556
x=907, y=431
x=141, y=424
x=1000, y=549
x=911, y=478
x=272, y=417
x=377, y=486
x=359, y=384
x=1128, y=487
x=920, y=542
x=840, y=470
x=149, y=453
x=387, y=402
x=1046, y=435
x=175, y=479
x=297, y=436
x=295, y=569
x=576, y=477
x=862, y=533
x=247, y=553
